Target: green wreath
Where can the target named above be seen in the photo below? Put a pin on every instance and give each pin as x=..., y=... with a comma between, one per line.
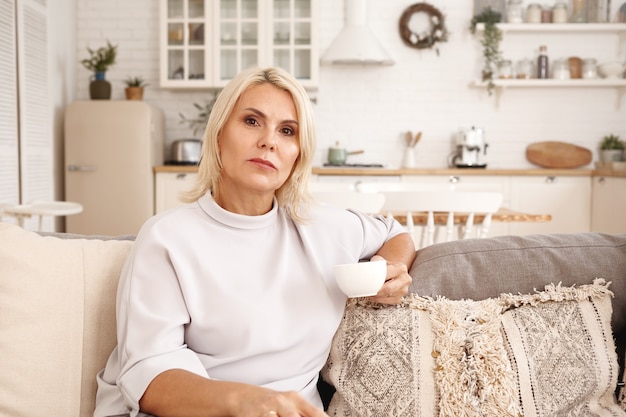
x=437, y=31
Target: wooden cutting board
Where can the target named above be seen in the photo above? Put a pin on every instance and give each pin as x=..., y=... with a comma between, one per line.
x=556, y=154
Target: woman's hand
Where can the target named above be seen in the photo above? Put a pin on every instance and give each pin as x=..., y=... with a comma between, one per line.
x=396, y=284
x=399, y=252
x=261, y=402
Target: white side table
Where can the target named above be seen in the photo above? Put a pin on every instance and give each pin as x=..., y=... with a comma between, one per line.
x=41, y=208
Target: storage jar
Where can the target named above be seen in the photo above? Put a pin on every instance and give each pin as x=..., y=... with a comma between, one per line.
x=533, y=13
x=590, y=68
x=505, y=69
x=560, y=70
x=514, y=12
x=559, y=13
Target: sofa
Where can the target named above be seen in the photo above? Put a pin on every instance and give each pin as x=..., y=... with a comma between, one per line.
x=532, y=326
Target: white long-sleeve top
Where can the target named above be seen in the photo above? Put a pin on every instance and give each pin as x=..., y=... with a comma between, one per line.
x=231, y=297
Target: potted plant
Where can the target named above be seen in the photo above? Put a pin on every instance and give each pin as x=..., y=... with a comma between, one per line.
x=492, y=36
x=611, y=149
x=198, y=123
x=134, y=88
x=99, y=61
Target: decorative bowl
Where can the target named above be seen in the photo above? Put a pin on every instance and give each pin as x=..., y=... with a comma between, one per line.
x=612, y=69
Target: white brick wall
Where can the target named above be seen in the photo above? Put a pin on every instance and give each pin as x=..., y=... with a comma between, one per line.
x=371, y=107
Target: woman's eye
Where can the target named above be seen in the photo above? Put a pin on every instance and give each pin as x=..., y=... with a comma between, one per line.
x=288, y=131
x=251, y=121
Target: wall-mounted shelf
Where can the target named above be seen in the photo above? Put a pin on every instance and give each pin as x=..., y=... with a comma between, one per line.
x=523, y=83
x=501, y=84
x=619, y=28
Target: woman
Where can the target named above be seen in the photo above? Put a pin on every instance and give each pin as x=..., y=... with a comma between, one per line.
x=227, y=306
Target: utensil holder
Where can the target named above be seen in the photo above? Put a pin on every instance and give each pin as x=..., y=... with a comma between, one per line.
x=408, y=160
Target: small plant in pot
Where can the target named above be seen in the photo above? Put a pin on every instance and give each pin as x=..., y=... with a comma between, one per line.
x=99, y=61
x=611, y=149
x=134, y=88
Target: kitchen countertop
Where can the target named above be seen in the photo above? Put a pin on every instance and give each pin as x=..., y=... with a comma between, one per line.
x=429, y=171
x=447, y=171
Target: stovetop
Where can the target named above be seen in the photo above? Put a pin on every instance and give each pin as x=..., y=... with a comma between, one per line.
x=180, y=163
x=353, y=165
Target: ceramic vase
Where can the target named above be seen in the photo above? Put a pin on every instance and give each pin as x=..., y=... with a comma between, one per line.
x=99, y=88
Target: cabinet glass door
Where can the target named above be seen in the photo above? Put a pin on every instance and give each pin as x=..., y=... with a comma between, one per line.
x=186, y=42
x=291, y=44
x=239, y=42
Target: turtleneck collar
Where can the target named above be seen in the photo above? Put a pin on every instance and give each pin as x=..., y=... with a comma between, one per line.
x=239, y=221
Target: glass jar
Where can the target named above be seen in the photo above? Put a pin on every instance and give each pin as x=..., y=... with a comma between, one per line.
x=525, y=69
x=560, y=69
x=590, y=68
x=559, y=13
x=514, y=12
x=533, y=13
x=579, y=11
x=505, y=69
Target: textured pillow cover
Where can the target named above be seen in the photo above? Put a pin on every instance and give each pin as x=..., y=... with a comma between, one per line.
x=543, y=354
x=380, y=363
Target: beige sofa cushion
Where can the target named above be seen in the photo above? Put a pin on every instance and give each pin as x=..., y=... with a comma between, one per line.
x=57, y=302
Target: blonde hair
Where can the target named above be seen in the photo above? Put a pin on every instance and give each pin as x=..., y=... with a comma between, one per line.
x=293, y=196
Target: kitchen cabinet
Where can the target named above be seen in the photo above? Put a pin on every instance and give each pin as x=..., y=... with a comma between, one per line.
x=168, y=188
x=26, y=127
x=549, y=31
x=205, y=43
x=608, y=205
x=567, y=199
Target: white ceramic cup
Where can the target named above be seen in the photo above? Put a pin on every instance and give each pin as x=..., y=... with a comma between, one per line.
x=361, y=279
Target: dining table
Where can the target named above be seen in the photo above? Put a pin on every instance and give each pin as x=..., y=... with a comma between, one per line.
x=40, y=209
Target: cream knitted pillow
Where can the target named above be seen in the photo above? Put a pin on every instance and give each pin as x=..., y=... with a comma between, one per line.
x=549, y=353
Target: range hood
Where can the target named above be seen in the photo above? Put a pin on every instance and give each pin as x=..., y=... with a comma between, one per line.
x=356, y=44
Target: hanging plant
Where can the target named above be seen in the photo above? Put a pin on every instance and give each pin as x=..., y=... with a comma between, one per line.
x=436, y=32
x=492, y=36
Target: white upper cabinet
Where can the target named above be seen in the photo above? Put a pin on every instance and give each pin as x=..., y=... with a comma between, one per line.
x=205, y=43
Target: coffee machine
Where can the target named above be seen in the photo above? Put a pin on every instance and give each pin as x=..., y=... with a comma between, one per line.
x=471, y=149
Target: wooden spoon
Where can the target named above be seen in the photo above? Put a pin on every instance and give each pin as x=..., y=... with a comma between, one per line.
x=418, y=136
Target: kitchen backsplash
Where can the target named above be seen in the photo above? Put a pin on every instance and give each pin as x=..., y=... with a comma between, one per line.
x=371, y=108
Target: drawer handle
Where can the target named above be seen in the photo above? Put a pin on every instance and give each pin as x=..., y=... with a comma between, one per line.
x=551, y=179
x=181, y=176
x=81, y=168
x=454, y=179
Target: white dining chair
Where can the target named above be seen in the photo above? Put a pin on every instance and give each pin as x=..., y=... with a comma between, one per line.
x=406, y=203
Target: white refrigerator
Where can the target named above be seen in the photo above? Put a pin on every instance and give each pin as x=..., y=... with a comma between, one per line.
x=111, y=148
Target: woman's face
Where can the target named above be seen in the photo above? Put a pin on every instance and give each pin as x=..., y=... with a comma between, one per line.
x=259, y=143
